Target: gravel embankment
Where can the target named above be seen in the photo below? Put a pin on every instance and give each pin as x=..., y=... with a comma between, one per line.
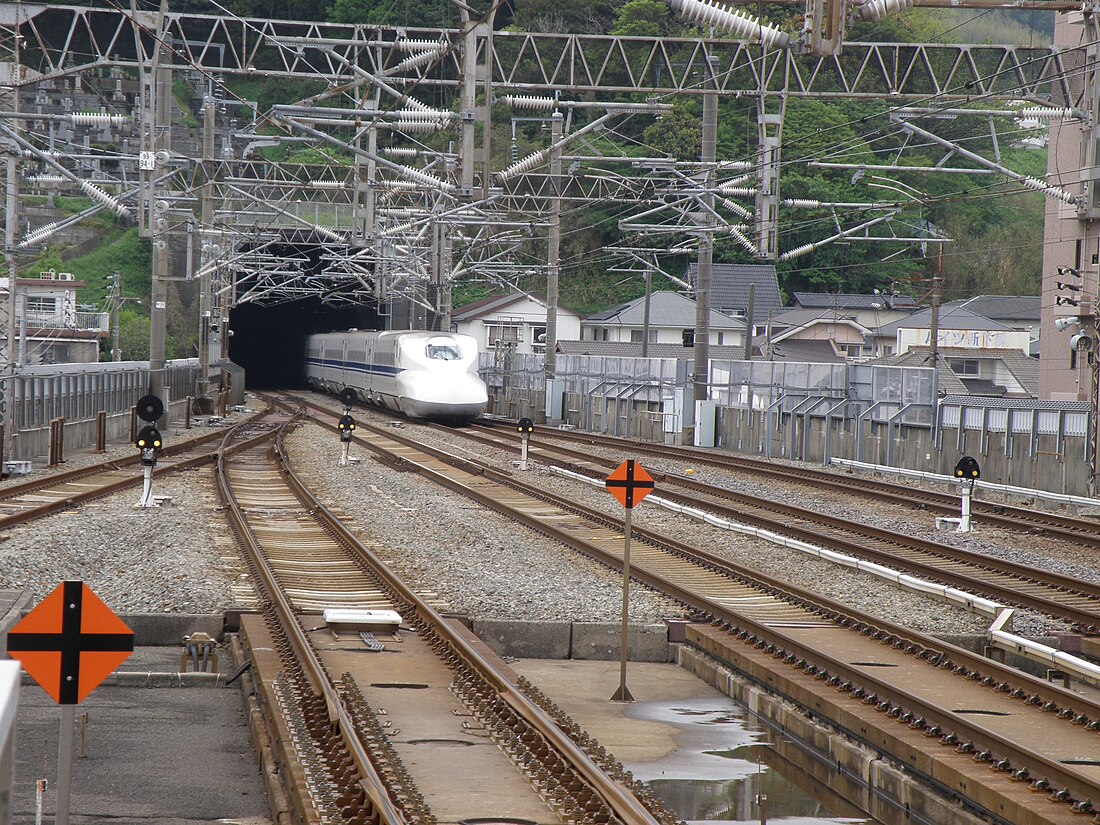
x=463, y=556
x=842, y=584
x=171, y=559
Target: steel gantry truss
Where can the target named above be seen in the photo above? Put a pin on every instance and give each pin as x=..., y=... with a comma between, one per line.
x=410, y=198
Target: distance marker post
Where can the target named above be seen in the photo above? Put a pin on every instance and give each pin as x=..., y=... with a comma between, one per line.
x=630, y=483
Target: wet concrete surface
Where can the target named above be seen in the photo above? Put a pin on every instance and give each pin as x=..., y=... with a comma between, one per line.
x=698, y=751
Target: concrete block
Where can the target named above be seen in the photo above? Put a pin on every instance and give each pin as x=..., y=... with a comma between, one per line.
x=525, y=640
x=600, y=641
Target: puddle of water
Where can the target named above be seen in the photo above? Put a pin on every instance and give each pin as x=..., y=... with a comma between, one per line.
x=716, y=772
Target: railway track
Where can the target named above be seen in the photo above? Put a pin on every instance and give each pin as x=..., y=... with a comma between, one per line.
x=33, y=499
x=957, y=702
x=997, y=514
x=359, y=717
x=1061, y=597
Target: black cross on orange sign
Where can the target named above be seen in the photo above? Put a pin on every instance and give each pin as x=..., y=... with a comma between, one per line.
x=70, y=642
x=630, y=483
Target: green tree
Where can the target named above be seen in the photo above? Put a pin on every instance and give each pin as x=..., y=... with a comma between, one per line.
x=642, y=18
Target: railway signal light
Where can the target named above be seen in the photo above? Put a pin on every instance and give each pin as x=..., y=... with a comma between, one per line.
x=346, y=425
x=149, y=442
x=967, y=467
x=525, y=426
x=347, y=397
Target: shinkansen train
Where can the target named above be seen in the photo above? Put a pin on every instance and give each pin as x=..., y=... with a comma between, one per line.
x=421, y=374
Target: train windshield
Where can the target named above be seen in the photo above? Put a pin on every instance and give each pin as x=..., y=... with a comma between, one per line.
x=444, y=351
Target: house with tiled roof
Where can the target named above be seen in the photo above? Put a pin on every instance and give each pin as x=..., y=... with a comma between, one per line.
x=516, y=320
x=824, y=334
x=985, y=371
x=671, y=321
x=958, y=327
x=1020, y=312
x=729, y=290
x=871, y=310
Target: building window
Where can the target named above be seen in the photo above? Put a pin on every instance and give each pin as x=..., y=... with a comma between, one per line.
x=966, y=366
x=538, y=337
x=853, y=350
x=502, y=334
x=40, y=303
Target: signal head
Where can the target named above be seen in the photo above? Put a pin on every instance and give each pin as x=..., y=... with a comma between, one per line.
x=1080, y=342
x=525, y=426
x=967, y=467
x=1062, y=324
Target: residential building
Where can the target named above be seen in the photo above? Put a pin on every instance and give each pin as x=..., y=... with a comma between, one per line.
x=871, y=310
x=729, y=290
x=819, y=335
x=958, y=327
x=50, y=328
x=671, y=321
x=1020, y=312
x=517, y=320
x=981, y=371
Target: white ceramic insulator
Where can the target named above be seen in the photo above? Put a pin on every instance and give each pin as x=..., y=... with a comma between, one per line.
x=101, y=197
x=417, y=45
x=399, y=151
x=399, y=229
x=877, y=9
x=738, y=191
x=399, y=185
x=735, y=22
x=1048, y=190
x=96, y=119
x=325, y=184
x=738, y=232
x=46, y=180
x=798, y=251
x=1046, y=113
x=38, y=235
x=411, y=126
x=328, y=233
x=529, y=102
x=400, y=213
x=802, y=203
x=433, y=115
x=417, y=60
x=736, y=208
x=426, y=179
x=525, y=164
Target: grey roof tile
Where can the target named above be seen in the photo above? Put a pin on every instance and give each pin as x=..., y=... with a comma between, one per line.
x=729, y=288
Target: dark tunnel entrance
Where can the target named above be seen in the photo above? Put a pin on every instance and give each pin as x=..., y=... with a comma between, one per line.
x=269, y=341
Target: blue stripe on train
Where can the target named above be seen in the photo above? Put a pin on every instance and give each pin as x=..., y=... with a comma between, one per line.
x=355, y=366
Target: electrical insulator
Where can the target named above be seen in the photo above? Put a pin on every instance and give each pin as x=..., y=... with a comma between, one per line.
x=738, y=231
x=399, y=151
x=525, y=165
x=45, y=180
x=96, y=119
x=802, y=203
x=412, y=126
x=325, y=184
x=737, y=23
x=798, y=251
x=529, y=102
x=425, y=179
x=738, y=191
x=397, y=229
x=877, y=9
x=417, y=60
x=410, y=45
x=1048, y=190
x=736, y=208
x=103, y=199
x=1047, y=113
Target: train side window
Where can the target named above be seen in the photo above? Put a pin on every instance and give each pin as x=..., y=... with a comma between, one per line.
x=443, y=352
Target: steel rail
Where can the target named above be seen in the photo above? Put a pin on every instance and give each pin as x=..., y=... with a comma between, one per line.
x=623, y=803
x=710, y=497
x=1007, y=516
x=373, y=785
x=937, y=653
x=40, y=511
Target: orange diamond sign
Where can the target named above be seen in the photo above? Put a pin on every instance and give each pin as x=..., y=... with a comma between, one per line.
x=70, y=642
x=630, y=483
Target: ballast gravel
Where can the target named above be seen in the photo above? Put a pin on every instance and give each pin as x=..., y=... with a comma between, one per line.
x=463, y=556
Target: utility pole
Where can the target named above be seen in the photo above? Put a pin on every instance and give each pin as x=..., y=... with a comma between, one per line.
x=207, y=252
x=701, y=362
x=934, y=331
x=645, y=311
x=11, y=224
x=748, y=321
x=553, y=253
